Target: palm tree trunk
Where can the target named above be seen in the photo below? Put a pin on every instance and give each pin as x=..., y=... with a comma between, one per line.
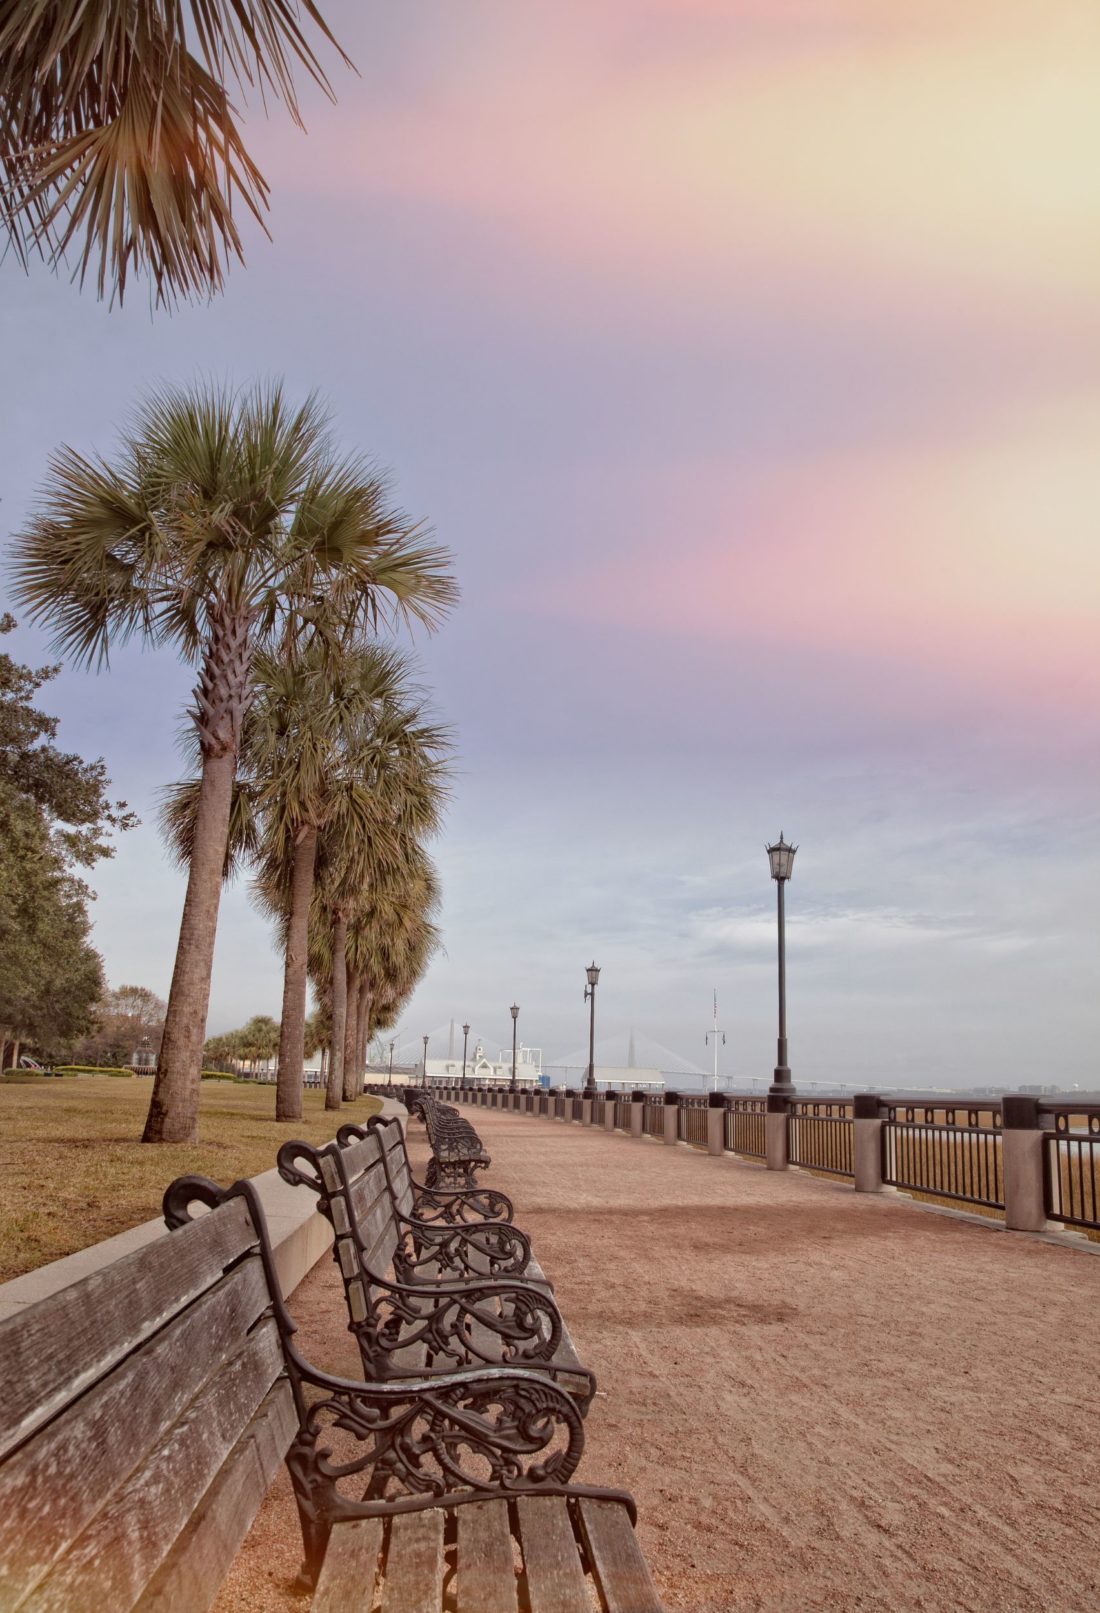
x=292, y=1029
x=339, y=1010
x=221, y=703
x=363, y=1039
x=352, y=1084
x=174, y=1108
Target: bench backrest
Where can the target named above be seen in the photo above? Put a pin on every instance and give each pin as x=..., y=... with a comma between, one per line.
x=391, y=1140
x=352, y=1192
x=144, y=1414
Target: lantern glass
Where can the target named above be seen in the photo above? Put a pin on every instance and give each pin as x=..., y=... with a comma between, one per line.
x=465, y=1030
x=781, y=859
x=515, y=1010
x=593, y=974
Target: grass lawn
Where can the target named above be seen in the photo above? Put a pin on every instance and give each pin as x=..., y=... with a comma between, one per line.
x=73, y=1171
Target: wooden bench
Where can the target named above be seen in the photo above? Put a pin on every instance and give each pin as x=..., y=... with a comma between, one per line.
x=423, y=1318
x=454, y=1206
x=147, y=1408
x=457, y=1150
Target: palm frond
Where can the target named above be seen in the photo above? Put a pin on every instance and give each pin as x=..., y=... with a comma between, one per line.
x=118, y=139
x=178, y=813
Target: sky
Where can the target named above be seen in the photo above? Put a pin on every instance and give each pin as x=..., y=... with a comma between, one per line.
x=746, y=355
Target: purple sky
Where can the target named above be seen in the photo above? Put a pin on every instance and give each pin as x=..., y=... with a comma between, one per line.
x=747, y=357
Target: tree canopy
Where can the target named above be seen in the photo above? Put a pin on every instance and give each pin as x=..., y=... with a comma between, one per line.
x=55, y=819
x=118, y=138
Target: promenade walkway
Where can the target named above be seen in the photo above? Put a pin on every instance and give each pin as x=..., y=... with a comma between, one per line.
x=821, y=1401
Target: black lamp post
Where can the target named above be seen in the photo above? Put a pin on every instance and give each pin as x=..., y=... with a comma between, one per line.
x=593, y=974
x=424, y=1065
x=465, y=1039
x=514, y=1011
x=781, y=860
x=391, y=1064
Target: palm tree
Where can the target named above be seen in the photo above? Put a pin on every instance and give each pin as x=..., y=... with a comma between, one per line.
x=373, y=832
x=226, y=523
x=319, y=731
x=118, y=138
x=381, y=928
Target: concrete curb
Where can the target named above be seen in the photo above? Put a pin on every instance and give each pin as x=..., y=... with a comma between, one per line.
x=300, y=1237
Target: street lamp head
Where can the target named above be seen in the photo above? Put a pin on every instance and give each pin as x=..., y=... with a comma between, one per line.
x=781, y=858
x=593, y=974
x=514, y=1010
x=465, y=1030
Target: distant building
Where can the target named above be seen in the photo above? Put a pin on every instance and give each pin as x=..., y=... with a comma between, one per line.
x=480, y=1067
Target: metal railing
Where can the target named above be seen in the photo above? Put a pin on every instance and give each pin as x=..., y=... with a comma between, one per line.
x=622, y=1113
x=1071, y=1167
x=653, y=1117
x=946, y=1153
x=745, y=1127
x=578, y=1108
x=559, y=1107
x=822, y=1137
x=599, y=1111
x=691, y=1121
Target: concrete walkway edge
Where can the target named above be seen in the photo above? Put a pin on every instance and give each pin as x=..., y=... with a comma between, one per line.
x=300, y=1237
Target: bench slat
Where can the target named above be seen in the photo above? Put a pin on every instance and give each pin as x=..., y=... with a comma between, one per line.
x=347, y=1581
x=556, y=1581
x=485, y=1579
x=616, y=1558
x=52, y=1488
x=109, y=1312
x=414, y=1564
x=193, y=1572
x=114, y=1559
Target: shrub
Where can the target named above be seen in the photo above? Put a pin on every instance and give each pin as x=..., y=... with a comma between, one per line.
x=219, y=1075
x=89, y=1069
x=15, y=1076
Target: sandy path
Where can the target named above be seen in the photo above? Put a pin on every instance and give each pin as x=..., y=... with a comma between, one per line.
x=821, y=1402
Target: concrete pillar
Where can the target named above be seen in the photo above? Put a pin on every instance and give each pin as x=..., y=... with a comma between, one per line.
x=672, y=1117
x=609, y=1111
x=716, y=1123
x=775, y=1133
x=637, y=1114
x=586, y=1111
x=867, y=1142
x=1022, y=1163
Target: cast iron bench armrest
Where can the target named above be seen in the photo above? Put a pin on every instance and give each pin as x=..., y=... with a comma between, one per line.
x=467, y=1434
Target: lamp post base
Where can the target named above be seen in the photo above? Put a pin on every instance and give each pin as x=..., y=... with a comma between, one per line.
x=782, y=1086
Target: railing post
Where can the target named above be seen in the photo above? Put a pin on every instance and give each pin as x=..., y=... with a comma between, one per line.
x=775, y=1131
x=1022, y=1163
x=586, y=1111
x=672, y=1117
x=608, y=1110
x=867, y=1142
x=716, y=1123
x=637, y=1113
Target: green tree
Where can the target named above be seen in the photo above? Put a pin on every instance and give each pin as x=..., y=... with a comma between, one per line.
x=70, y=793
x=226, y=522
x=126, y=1018
x=117, y=136
x=55, y=819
